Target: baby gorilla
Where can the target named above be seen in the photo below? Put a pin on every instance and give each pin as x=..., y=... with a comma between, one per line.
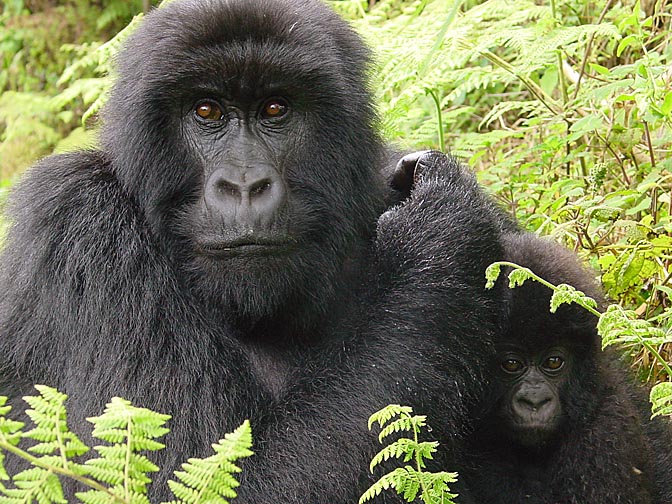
x=560, y=423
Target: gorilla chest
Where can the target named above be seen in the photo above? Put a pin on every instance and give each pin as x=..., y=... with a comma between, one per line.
x=272, y=370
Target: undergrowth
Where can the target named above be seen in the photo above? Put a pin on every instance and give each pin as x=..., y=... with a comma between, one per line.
x=120, y=471
x=563, y=107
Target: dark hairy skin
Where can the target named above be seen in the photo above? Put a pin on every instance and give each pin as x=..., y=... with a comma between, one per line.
x=560, y=423
x=218, y=257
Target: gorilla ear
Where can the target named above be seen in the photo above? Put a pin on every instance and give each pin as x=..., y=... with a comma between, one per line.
x=403, y=177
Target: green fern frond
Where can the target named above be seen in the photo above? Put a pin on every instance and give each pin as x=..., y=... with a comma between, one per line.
x=519, y=276
x=55, y=447
x=618, y=325
x=51, y=429
x=100, y=497
x=123, y=422
x=566, y=294
x=128, y=429
x=408, y=481
x=405, y=423
x=661, y=398
x=406, y=448
x=34, y=485
x=211, y=480
x=10, y=434
x=387, y=413
x=525, y=107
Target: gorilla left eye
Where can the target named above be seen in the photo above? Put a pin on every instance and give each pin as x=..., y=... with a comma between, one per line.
x=512, y=365
x=209, y=110
x=554, y=363
x=274, y=108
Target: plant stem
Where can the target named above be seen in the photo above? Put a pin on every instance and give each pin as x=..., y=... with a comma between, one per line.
x=437, y=103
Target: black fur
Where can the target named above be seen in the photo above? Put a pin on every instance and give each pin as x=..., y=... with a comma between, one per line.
x=108, y=289
x=605, y=449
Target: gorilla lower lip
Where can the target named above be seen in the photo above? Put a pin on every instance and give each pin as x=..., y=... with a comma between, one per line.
x=244, y=248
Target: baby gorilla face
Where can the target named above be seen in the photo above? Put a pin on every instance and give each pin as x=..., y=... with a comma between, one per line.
x=530, y=405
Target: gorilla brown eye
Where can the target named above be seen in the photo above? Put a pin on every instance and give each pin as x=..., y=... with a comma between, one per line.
x=209, y=110
x=512, y=365
x=274, y=108
x=554, y=363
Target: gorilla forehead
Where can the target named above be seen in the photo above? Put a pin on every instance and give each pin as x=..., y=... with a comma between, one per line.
x=221, y=36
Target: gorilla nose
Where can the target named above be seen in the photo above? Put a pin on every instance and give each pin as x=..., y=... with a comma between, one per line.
x=245, y=197
x=532, y=403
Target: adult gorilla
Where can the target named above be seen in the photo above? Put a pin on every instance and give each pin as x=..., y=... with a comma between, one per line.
x=215, y=259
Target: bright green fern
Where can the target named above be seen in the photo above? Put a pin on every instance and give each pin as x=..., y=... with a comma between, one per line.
x=129, y=430
x=210, y=480
x=410, y=480
x=120, y=472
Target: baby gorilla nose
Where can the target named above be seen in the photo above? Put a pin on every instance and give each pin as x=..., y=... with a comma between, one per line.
x=535, y=405
x=532, y=401
x=249, y=197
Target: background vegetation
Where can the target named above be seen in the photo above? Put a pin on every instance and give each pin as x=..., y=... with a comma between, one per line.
x=563, y=107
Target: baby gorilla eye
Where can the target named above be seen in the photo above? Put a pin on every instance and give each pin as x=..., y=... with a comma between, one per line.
x=512, y=365
x=209, y=110
x=274, y=108
x=554, y=363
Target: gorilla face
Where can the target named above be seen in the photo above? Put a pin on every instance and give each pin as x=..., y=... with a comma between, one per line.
x=530, y=406
x=247, y=137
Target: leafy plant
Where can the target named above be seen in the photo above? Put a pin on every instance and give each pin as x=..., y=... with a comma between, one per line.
x=410, y=480
x=120, y=472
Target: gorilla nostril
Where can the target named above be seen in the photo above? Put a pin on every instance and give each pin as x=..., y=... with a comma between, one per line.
x=533, y=403
x=260, y=187
x=227, y=188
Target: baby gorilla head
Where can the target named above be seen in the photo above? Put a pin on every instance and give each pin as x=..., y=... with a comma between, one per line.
x=530, y=408
x=545, y=362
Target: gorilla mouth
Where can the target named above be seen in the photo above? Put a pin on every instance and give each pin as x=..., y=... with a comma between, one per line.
x=244, y=246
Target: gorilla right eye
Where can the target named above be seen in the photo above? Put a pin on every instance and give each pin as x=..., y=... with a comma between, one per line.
x=274, y=108
x=512, y=365
x=554, y=363
x=209, y=110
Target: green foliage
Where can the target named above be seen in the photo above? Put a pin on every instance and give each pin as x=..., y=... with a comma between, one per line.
x=563, y=107
x=211, y=480
x=410, y=480
x=40, y=49
x=129, y=430
x=661, y=398
x=119, y=474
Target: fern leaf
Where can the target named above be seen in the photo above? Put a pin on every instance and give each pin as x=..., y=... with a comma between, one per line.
x=129, y=429
x=401, y=480
x=566, y=294
x=387, y=413
x=661, y=398
x=51, y=430
x=211, y=479
x=403, y=424
x=10, y=433
x=35, y=484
